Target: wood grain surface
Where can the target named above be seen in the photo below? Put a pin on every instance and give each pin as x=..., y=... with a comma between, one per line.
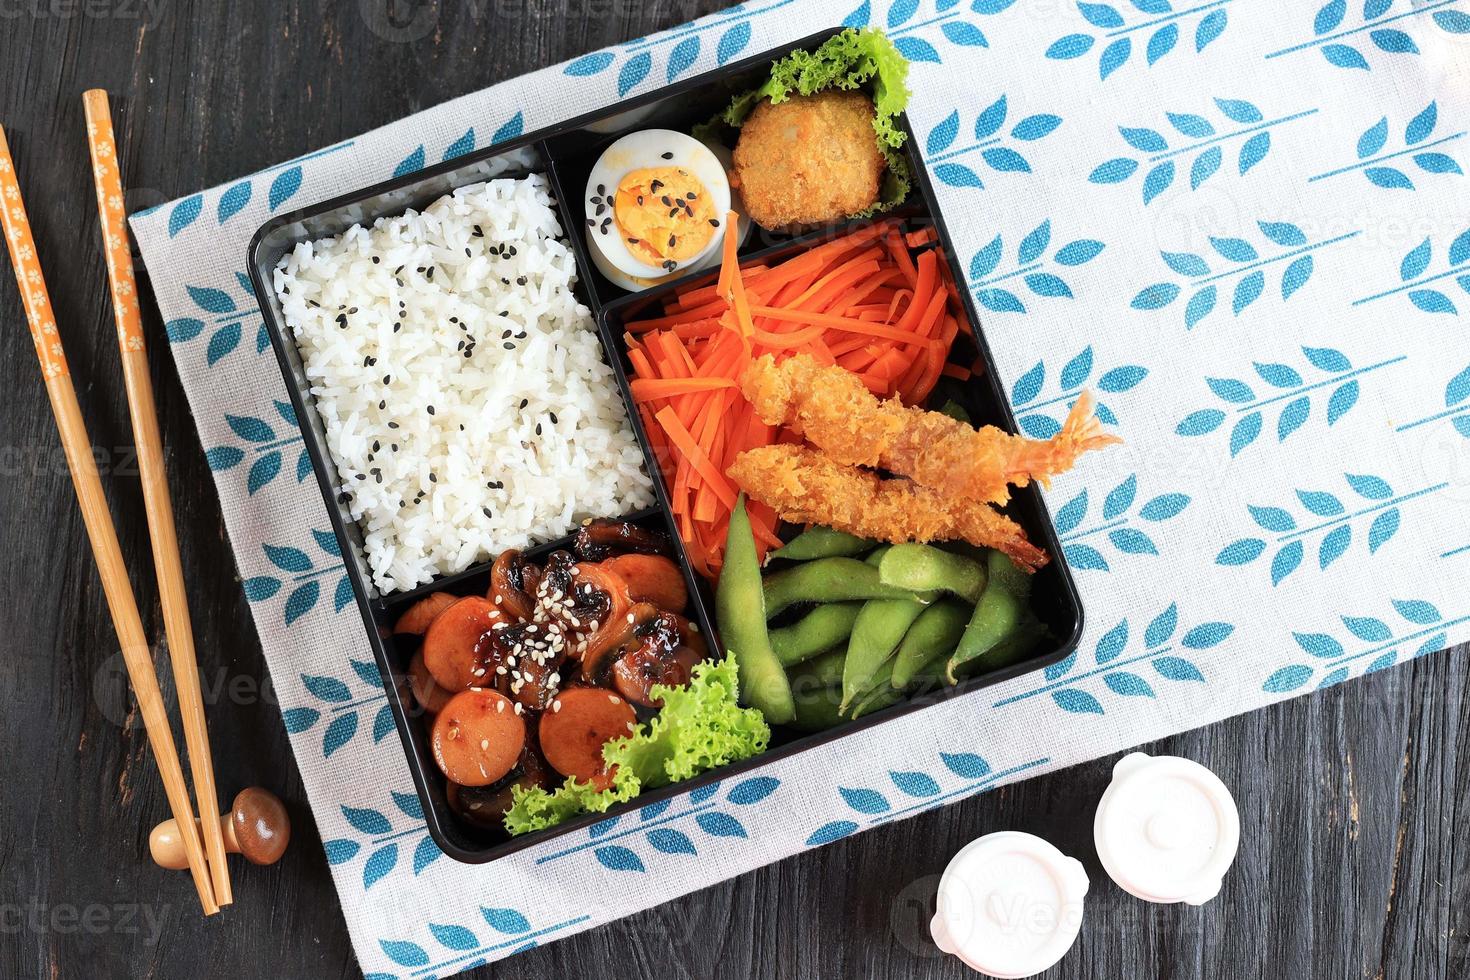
x=1352, y=801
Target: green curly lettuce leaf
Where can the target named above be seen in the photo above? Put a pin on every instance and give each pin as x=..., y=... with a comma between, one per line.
x=536, y=809
x=850, y=60
x=700, y=727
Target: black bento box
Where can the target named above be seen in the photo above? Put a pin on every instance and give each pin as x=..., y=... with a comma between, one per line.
x=565, y=154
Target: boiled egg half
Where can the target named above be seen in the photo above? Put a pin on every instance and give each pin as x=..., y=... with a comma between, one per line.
x=656, y=203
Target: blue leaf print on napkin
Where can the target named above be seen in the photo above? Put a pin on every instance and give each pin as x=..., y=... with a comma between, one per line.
x=233, y=201
x=1101, y=14
x=864, y=800
x=1076, y=702
x=964, y=34
x=1162, y=42
x=1114, y=56
x=1393, y=41
x=829, y=832
x=1344, y=57
x=617, y=858
x=732, y=42
x=404, y=953
x=590, y=64
x=634, y=70
x=184, y=213
x=1071, y=46
x=669, y=841
x=286, y=183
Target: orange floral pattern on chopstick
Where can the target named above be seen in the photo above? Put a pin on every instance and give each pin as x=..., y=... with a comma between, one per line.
x=107, y=179
x=28, y=269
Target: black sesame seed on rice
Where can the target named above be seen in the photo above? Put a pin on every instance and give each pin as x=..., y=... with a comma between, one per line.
x=508, y=345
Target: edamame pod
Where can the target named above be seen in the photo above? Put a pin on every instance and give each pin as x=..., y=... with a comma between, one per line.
x=923, y=568
x=740, y=610
x=933, y=637
x=880, y=625
x=997, y=615
x=819, y=672
x=822, y=542
x=881, y=695
x=821, y=629
x=817, y=710
x=1012, y=649
x=826, y=580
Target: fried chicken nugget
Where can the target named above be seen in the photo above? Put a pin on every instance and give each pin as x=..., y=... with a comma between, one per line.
x=807, y=487
x=809, y=160
x=837, y=414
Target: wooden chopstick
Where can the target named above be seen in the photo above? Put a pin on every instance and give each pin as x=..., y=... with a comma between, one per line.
x=83, y=466
x=107, y=178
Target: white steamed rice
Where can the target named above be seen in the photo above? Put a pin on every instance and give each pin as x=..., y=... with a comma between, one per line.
x=447, y=459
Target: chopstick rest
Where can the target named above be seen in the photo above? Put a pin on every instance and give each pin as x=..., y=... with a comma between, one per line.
x=173, y=597
x=137, y=656
x=257, y=827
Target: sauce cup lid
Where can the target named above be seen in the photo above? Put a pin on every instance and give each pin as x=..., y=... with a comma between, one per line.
x=1010, y=905
x=1167, y=829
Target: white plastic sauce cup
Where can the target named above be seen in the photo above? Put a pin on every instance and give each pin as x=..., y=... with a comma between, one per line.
x=1166, y=829
x=1010, y=905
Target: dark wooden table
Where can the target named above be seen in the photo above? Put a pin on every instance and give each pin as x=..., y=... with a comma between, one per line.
x=1352, y=801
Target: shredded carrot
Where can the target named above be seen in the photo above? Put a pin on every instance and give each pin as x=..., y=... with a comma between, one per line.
x=648, y=389
x=878, y=301
x=924, y=236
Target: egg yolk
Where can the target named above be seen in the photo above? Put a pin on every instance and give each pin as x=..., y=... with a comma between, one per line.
x=664, y=214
